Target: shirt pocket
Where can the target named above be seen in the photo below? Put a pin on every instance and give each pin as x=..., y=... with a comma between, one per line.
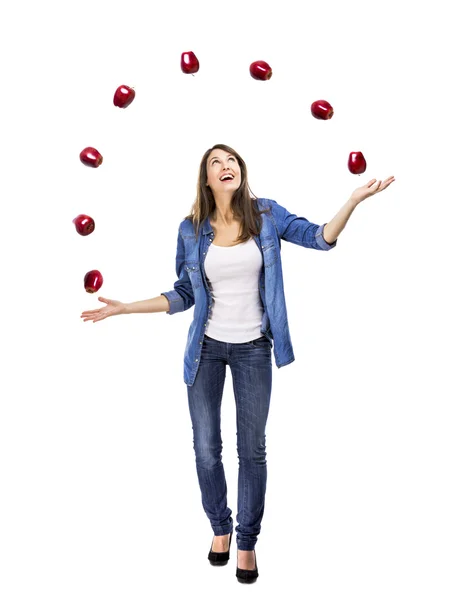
x=194, y=274
x=269, y=251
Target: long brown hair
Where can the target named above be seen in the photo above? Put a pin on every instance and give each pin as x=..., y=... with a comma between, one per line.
x=242, y=204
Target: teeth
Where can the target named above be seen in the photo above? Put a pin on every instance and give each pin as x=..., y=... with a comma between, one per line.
x=226, y=177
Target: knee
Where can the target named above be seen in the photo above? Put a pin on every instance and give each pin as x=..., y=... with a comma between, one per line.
x=253, y=452
x=208, y=455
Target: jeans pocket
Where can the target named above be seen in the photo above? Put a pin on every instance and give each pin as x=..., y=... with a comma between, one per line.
x=259, y=342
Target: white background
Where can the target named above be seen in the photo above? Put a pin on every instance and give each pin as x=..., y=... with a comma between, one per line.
x=99, y=492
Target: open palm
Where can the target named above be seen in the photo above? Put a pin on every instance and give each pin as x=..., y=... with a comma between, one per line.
x=370, y=189
x=113, y=307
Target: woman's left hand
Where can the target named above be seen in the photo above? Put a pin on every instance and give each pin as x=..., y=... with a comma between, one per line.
x=371, y=188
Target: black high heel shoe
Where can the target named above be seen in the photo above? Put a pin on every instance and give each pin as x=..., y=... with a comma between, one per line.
x=248, y=575
x=219, y=559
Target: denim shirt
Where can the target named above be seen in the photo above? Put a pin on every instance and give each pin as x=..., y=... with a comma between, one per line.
x=191, y=288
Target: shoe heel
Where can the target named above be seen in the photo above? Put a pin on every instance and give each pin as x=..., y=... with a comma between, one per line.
x=248, y=575
x=220, y=559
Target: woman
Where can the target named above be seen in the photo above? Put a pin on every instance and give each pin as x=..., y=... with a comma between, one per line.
x=228, y=265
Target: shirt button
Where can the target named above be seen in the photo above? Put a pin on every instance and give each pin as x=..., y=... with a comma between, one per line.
x=197, y=359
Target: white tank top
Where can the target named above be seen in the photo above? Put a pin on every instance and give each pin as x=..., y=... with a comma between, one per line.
x=233, y=273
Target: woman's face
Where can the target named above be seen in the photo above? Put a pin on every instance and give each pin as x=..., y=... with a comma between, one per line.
x=219, y=164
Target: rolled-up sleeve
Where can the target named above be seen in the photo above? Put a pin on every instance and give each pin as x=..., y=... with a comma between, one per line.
x=298, y=230
x=321, y=241
x=181, y=298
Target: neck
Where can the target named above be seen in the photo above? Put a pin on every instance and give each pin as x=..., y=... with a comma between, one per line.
x=223, y=213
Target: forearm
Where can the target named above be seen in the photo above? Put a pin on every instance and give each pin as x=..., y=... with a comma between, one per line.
x=158, y=304
x=335, y=226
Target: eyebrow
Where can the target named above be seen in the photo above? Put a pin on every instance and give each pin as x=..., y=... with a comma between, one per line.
x=215, y=157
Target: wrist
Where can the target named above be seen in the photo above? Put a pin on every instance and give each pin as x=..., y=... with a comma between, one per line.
x=352, y=202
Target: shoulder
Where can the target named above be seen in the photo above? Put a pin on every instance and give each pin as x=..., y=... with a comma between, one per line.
x=266, y=203
x=273, y=207
x=186, y=227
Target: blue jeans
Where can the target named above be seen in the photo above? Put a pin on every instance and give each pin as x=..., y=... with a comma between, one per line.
x=251, y=369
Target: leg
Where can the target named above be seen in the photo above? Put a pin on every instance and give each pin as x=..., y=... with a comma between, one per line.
x=204, y=399
x=251, y=367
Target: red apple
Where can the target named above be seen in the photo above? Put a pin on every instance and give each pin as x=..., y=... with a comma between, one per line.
x=84, y=224
x=260, y=70
x=91, y=157
x=93, y=281
x=123, y=96
x=189, y=63
x=321, y=109
x=356, y=163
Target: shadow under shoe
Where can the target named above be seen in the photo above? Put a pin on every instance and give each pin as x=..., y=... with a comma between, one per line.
x=219, y=559
x=248, y=575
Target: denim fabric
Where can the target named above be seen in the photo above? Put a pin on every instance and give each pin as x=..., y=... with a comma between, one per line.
x=191, y=288
x=251, y=369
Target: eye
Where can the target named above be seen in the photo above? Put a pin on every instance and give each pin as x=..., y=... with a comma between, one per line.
x=231, y=158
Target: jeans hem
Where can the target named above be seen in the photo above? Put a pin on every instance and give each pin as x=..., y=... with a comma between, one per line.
x=219, y=532
x=244, y=547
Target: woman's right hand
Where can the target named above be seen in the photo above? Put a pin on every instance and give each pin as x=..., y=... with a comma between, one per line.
x=114, y=307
